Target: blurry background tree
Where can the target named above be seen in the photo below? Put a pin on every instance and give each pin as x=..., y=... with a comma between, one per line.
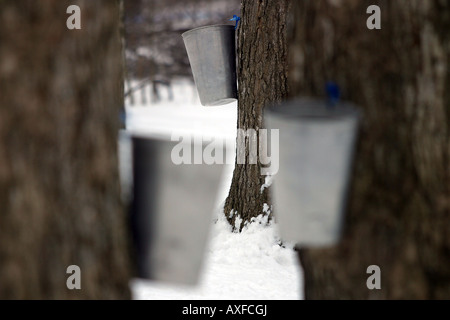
x=262, y=78
x=61, y=92
x=399, y=211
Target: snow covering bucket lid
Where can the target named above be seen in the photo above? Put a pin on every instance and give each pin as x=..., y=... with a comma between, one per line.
x=212, y=55
x=316, y=144
x=171, y=208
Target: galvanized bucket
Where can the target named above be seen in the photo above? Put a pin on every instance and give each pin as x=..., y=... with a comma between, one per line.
x=316, y=151
x=171, y=209
x=212, y=55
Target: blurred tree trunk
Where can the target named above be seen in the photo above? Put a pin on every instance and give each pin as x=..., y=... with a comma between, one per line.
x=262, y=57
x=61, y=94
x=399, y=211
x=124, y=58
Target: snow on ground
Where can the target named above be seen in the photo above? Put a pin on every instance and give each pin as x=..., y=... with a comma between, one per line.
x=250, y=265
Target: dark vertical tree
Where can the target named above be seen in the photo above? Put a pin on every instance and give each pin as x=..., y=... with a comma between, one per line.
x=60, y=95
x=262, y=67
x=399, y=210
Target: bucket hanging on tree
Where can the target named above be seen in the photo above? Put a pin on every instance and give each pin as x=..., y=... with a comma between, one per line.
x=212, y=56
x=317, y=141
x=171, y=207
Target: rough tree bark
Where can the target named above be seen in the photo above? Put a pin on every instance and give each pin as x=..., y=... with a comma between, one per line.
x=61, y=92
x=262, y=67
x=399, y=211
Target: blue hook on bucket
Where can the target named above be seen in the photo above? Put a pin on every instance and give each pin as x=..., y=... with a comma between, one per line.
x=333, y=93
x=237, y=19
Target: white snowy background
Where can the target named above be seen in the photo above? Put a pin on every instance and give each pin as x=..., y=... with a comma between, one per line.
x=250, y=265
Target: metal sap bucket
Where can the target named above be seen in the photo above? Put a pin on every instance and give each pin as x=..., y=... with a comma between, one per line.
x=316, y=151
x=171, y=208
x=212, y=55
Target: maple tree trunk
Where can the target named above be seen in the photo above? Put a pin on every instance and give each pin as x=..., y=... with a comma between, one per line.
x=262, y=57
x=399, y=210
x=61, y=95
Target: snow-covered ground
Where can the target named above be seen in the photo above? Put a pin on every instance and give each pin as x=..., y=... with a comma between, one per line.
x=250, y=265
